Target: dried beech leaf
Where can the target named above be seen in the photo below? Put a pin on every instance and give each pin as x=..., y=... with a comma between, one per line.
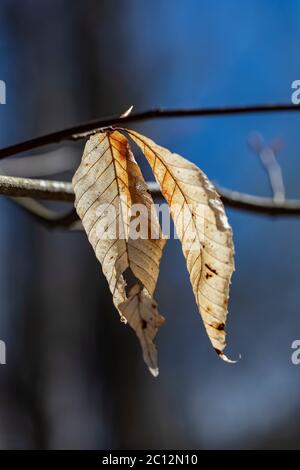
x=109, y=178
x=202, y=227
x=140, y=310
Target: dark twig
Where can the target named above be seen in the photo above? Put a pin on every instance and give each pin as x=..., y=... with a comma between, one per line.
x=88, y=128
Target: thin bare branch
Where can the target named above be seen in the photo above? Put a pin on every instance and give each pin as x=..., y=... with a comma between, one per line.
x=258, y=204
x=88, y=128
x=37, y=188
x=38, y=211
x=46, y=216
x=63, y=191
x=268, y=158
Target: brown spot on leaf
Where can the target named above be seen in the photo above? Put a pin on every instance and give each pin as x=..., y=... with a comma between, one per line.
x=219, y=352
x=217, y=326
x=208, y=275
x=211, y=269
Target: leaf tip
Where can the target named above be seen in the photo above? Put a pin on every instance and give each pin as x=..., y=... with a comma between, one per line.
x=154, y=372
x=225, y=358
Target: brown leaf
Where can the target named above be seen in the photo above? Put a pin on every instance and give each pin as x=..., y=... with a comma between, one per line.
x=140, y=310
x=203, y=229
x=107, y=185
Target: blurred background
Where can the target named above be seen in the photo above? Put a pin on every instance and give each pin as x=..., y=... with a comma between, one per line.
x=74, y=376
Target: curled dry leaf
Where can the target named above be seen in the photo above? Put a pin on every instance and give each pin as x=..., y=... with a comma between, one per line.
x=107, y=184
x=140, y=310
x=202, y=227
